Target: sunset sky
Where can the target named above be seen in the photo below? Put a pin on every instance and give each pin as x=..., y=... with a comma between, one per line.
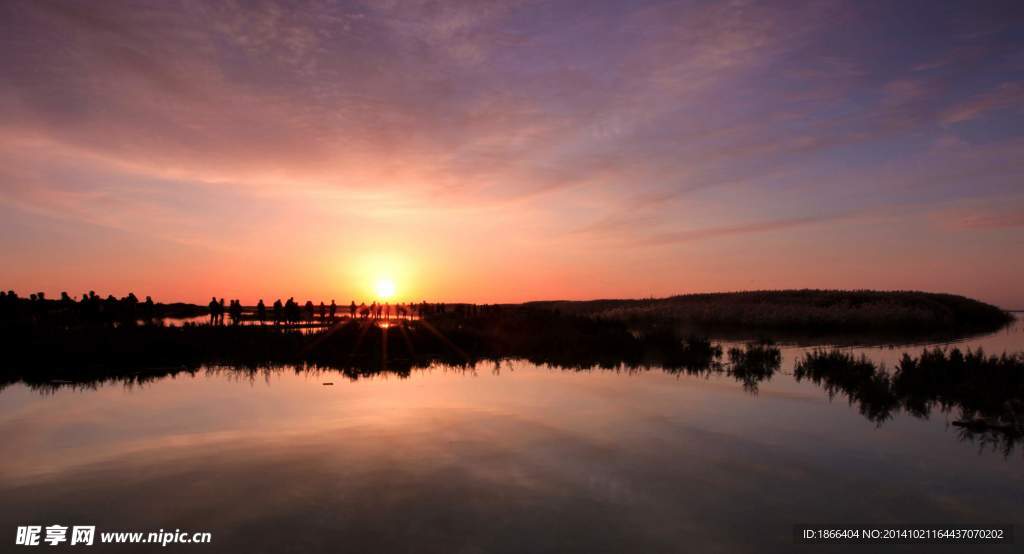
x=509, y=151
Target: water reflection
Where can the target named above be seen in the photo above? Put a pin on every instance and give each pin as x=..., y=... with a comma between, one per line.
x=668, y=448
x=984, y=392
x=754, y=363
x=504, y=457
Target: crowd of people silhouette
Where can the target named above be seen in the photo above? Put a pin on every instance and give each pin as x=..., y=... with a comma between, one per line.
x=290, y=312
x=91, y=308
x=217, y=311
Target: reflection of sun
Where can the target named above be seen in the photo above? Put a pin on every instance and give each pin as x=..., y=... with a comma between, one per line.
x=385, y=288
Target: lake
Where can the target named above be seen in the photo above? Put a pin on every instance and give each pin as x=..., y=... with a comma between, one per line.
x=507, y=457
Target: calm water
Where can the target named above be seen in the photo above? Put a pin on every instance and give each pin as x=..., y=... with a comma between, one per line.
x=511, y=458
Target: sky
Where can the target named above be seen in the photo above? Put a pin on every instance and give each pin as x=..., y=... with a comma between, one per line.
x=510, y=151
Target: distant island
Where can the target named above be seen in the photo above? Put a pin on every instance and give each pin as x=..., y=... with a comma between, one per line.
x=805, y=311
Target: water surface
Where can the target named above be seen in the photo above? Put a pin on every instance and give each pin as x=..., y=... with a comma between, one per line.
x=509, y=458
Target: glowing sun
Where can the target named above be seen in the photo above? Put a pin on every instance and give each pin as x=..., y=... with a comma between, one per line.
x=385, y=288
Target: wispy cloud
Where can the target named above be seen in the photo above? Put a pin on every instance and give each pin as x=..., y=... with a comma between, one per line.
x=708, y=233
x=646, y=123
x=1005, y=215
x=1005, y=96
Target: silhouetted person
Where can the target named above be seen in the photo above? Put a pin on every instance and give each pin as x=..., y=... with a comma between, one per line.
x=38, y=304
x=12, y=300
x=236, y=312
x=221, y=310
x=323, y=311
x=87, y=307
x=95, y=307
x=261, y=312
x=110, y=308
x=310, y=310
x=149, y=310
x=278, y=312
x=129, y=313
x=352, y=309
x=291, y=310
x=213, y=310
x=334, y=308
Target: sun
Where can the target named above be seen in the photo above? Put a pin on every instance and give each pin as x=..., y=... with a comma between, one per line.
x=385, y=289
x=382, y=276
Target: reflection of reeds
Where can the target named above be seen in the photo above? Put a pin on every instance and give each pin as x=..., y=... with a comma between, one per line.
x=1001, y=432
x=986, y=391
x=753, y=363
x=865, y=384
